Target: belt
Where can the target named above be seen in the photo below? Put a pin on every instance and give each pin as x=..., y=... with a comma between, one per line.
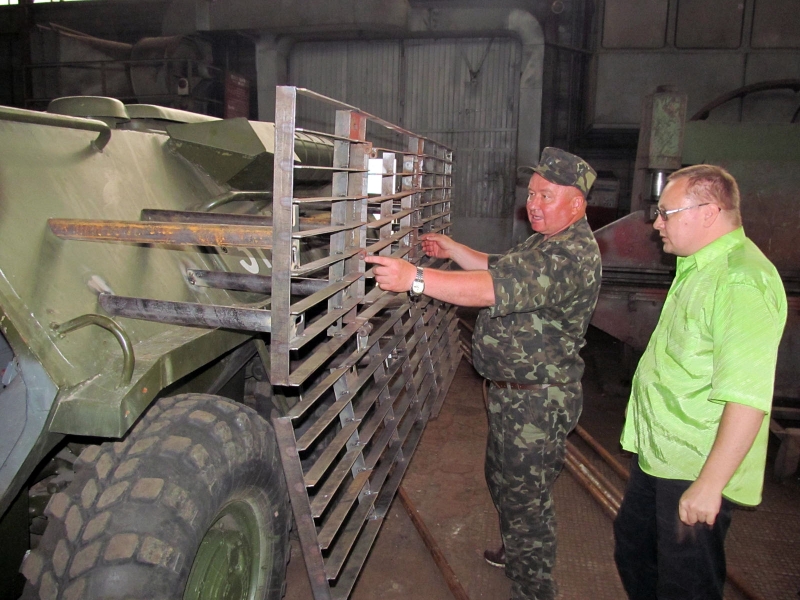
x=513, y=385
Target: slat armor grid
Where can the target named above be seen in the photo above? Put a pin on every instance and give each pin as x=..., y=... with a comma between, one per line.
x=357, y=371
x=369, y=367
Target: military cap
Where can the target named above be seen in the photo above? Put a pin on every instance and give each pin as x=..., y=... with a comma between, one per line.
x=562, y=168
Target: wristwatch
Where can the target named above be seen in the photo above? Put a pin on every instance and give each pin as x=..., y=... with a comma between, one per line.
x=419, y=284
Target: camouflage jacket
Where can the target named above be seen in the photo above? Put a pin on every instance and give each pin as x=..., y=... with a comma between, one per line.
x=545, y=292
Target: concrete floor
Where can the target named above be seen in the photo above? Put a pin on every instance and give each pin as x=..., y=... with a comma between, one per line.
x=445, y=483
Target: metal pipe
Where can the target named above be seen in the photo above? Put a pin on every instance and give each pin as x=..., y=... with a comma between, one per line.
x=128, y=358
x=601, y=481
x=604, y=454
x=245, y=282
x=449, y=575
x=606, y=500
x=19, y=115
x=188, y=313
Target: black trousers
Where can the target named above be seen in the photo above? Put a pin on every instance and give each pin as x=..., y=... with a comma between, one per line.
x=658, y=556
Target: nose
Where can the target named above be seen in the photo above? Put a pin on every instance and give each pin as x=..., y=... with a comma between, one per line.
x=658, y=223
x=531, y=201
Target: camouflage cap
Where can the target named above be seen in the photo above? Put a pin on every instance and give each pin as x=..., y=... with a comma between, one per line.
x=560, y=167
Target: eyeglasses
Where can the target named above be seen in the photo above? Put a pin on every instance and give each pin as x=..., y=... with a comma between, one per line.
x=664, y=214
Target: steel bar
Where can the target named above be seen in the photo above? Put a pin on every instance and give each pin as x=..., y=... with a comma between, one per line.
x=603, y=498
x=324, y=420
x=397, y=196
x=343, y=506
x=337, y=169
x=604, y=454
x=245, y=282
x=329, y=454
x=434, y=217
x=175, y=234
x=322, y=293
x=188, y=313
x=391, y=219
x=434, y=203
x=429, y=540
x=327, y=199
x=326, y=134
x=316, y=265
x=316, y=231
x=322, y=322
x=312, y=395
x=608, y=488
x=304, y=522
x=388, y=241
x=322, y=354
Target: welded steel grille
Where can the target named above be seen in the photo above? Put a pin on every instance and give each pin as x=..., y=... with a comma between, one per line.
x=368, y=367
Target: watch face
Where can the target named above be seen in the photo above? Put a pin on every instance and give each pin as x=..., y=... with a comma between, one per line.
x=417, y=287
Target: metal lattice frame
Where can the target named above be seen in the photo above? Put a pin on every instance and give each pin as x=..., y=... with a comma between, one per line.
x=373, y=366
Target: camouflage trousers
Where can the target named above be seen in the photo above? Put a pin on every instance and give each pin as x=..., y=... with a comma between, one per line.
x=524, y=456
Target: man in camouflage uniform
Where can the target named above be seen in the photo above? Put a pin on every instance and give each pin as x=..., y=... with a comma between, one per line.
x=538, y=298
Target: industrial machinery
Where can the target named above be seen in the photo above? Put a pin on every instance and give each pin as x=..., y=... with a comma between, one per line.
x=173, y=71
x=764, y=158
x=192, y=349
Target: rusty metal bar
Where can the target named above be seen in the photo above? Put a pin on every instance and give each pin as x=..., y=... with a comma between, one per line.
x=604, y=454
x=604, y=499
x=175, y=234
x=429, y=540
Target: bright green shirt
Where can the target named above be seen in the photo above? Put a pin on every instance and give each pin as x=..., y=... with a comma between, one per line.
x=716, y=342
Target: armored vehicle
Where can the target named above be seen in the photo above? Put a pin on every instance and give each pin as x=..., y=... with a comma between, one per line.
x=194, y=356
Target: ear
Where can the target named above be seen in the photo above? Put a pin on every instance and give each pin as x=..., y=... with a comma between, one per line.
x=711, y=213
x=576, y=203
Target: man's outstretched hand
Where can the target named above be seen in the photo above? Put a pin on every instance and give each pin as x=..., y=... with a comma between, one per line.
x=392, y=274
x=438, y=245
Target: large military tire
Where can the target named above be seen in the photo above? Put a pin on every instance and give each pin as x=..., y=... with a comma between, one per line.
x=193, y=499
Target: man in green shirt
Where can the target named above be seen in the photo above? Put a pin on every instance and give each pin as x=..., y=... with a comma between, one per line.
x=698, y=416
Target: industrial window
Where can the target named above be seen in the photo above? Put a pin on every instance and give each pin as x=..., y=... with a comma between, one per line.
x=709, y=24
x=640, y=24
x=776, y=24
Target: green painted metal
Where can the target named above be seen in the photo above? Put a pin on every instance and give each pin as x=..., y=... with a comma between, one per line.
x=228, y=563
x=46, y=281
x=240, y=153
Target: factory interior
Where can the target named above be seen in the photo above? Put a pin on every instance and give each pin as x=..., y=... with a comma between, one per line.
x=468, y=93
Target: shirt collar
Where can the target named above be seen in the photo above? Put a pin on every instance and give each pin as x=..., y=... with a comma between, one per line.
x=564, y=233
x=708, y=253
